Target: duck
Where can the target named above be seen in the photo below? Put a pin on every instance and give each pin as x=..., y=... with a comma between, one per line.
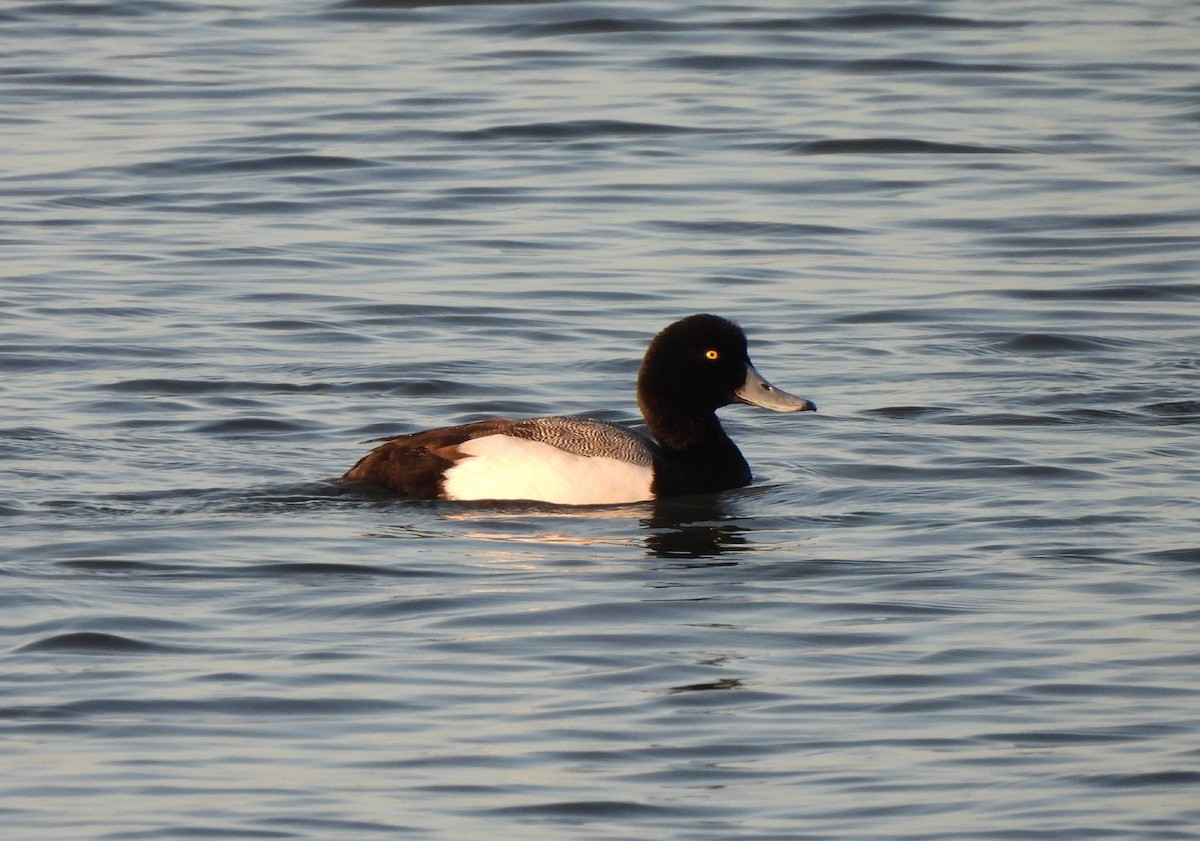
x=692, y=368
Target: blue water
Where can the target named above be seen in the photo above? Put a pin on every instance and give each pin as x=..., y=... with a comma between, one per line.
x=239, y=239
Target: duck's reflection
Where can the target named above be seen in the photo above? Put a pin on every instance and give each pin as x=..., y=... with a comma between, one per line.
x=695, y=528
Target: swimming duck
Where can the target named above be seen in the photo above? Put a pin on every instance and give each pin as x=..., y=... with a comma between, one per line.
x=692, y=368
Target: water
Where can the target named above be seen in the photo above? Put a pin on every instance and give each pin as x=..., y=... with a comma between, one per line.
x=960, y=602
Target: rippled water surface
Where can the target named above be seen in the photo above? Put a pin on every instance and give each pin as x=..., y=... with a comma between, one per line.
x=239, y=239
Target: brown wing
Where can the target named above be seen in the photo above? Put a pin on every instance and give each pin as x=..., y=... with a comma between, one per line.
x=414, y=464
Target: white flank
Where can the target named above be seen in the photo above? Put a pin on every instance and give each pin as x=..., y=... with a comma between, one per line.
x=503, y=467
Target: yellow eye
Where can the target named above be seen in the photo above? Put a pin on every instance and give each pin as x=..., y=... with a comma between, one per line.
x=711, y=354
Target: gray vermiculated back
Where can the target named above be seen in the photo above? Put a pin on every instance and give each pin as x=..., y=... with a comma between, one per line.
x=588, y=437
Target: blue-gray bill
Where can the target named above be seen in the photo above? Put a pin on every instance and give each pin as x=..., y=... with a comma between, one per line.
x=758, y=392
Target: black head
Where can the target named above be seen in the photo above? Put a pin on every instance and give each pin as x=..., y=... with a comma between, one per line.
x=695, y=365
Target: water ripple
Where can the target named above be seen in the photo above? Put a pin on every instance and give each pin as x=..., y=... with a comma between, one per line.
x=92, y=642
x=892, y=146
